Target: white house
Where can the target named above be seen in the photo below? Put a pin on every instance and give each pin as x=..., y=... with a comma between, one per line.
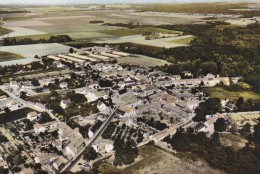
x=38, y=128
x=32, y=116
x=65, y=103
x=109, y=147
x=101, y=106
x=75, y=146
x=63, y=85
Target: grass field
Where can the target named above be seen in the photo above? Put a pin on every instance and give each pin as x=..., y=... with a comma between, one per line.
x=157, y=161
x=5, y=56
x=185, y=41
x=142, y=61
x=233, y=95
x=241, y=118
x=236, y=141
x=136, y=31
x=35, y=37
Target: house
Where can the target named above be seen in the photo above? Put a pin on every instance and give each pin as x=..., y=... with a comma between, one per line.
x=32, y=116
x=181, y=103
x=26, y=85
x=101, y=106
x=38, y=128
x=109, y=147
x=14, y=84
x=63, y=85
x=45, y=158
x=167, y=99
x=91, y=97
x=65, y=103
x=126, y=111
x=59, y=163
x=75, y=146
x=58, y=144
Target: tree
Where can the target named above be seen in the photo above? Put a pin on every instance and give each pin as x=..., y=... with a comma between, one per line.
x=54, y=93
x=71, y=50
x=35, y=82
x=208, y=107
x=44, y=118
x=3, y=170
x=256, y=139
x=245, y=131
x=209, y=67
x=220, y=125
x=18, y=159
x=90, y=153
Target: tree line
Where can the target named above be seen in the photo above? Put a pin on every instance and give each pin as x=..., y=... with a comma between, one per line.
x=27, y=41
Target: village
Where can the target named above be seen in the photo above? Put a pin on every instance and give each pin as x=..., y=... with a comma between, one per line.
x=92, y=101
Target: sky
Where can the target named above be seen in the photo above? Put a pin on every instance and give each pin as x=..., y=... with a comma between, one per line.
x=111, y=1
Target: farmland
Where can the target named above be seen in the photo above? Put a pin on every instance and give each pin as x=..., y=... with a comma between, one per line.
x=139, y=39
x=137, y=31
x=155, y=160
x=6, y=56
x=29, y=51
x=142, y=61
x=185, y=41
x=242, y=118
x=233, y=95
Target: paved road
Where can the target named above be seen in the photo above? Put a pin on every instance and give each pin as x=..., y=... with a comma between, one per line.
x=91, y=140
x=26, y=104
x=88, y=142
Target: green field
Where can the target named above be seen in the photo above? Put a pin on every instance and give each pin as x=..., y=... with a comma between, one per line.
x=142, y=61
x=233, y=95
x=185, y=41
x=35, y=37
x=136, y=31
x=5, y=56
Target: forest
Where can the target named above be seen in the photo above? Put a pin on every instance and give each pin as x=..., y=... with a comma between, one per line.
x=227, y=51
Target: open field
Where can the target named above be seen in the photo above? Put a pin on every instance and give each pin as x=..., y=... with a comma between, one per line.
x=20, y=31
x=5, y=56
x=71, y=29
x=142, y=61
x=224, y=94
x=136, y=31
x=236, y=141
x=241, y=118
x=157, y=161
x=139, y=39
x=29, y=51
x=185, y=41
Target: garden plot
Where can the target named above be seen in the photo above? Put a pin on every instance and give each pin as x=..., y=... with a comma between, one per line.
x=139, y=39
x=29, y=51
x=19, y=31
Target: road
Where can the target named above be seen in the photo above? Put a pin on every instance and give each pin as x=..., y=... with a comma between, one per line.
x=91, y=140
x=26, y=104
x=88, y=142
